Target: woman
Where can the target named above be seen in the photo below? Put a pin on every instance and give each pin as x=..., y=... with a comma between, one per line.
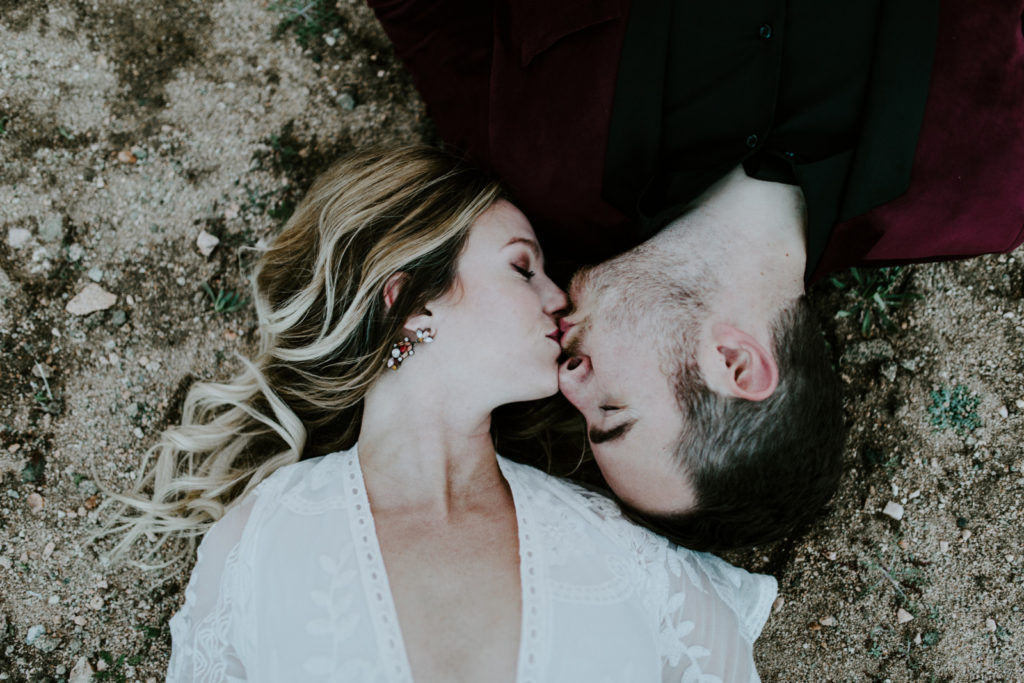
x=403, y=303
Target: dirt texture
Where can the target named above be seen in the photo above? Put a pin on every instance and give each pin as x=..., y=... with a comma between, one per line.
x=133, y=134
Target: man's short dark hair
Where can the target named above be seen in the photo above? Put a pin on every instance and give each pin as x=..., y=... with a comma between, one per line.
x=760, y=469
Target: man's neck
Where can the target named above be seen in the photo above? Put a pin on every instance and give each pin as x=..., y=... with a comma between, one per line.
x=749, y=234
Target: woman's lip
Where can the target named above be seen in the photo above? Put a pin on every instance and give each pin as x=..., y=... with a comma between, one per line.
x=564, y=325
x=556, y=337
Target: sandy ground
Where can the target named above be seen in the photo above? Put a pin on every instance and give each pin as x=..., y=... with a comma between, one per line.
x=129, y=130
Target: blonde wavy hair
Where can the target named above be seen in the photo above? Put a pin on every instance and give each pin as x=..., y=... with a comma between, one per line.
x=324, y=336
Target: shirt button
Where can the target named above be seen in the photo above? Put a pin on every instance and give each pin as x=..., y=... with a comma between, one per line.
x=765, y=31
x=752, y=141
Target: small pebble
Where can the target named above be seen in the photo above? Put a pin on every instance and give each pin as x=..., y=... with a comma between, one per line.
x=125, y=156
x=903, y=616
x=82, y=671
x=75, y=252
x=52, y=227
x=1003, y=412
x=965, y=534
x=118, y=318
x=79, y=620
x=91, y=299
x=206, y=243
x=346, y=101
x=827, y=621
x=990, y=625
x=48, y=550
x=35, y=502
x=894, y=510
x=53, y=600
x=1019, y=403
x=34, y=633
x=95, y=274
x=18, y=237
x=138, y=433
x=96, y=603
x=943, y=546
x=779, y=603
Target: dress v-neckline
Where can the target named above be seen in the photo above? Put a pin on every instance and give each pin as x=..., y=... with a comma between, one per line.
x=533, y=593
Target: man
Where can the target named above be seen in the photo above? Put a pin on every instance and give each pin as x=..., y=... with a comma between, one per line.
x=736, y=151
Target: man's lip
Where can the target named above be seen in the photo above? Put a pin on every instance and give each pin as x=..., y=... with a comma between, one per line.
x=564, y=325
x=556, y=336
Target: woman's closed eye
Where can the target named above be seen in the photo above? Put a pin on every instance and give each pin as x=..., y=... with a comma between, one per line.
x=524, y=271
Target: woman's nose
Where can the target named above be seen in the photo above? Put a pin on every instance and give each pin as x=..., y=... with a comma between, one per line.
x=555, y=300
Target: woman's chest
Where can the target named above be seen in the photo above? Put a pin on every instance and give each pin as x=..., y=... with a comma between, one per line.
x=328, y=609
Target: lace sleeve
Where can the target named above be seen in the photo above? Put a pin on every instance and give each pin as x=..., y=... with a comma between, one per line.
x=201, y=631
x=711, y=617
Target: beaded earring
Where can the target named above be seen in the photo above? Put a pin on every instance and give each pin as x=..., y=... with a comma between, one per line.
x=401, y=350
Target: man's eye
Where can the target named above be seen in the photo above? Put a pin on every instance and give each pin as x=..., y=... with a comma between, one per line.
x=525, y=272
x=610, y=408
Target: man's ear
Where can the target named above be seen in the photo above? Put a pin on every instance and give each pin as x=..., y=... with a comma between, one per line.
x=743, y=367
x=392, y=286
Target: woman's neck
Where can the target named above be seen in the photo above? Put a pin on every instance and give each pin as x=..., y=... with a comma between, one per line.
x=434, y=457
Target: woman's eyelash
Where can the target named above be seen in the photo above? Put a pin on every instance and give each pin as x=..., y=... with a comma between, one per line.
x=525, y=272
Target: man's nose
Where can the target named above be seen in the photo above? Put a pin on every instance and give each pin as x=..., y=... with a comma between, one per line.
x=578, y=368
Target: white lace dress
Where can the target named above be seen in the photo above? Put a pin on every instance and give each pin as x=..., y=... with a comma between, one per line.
x=290, y=586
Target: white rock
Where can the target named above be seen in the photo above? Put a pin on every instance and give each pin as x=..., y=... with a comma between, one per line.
x=903, y=616
x=990, y=625
x=52, y=228
x=95, y=274
x=827, y=621
x=34, y=632
x=18, y=237
x=82, y=672
x=894, y=510
x=1003, y=412
x=206, y=243
x=1019, y=403
x=943, y=546
x=75, y=252
x=91, y=299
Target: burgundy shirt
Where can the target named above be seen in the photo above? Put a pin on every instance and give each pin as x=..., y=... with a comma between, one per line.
x=527, y=89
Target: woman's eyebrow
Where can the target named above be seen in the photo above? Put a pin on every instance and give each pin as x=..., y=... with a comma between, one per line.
x=601, y=436
x=530, y=244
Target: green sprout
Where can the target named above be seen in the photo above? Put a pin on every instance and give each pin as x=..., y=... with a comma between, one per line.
x=310, y=19
x=956, y=409
x=873, y=297
x=224, y=301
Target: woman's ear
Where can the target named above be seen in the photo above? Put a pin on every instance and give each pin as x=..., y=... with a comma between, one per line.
x=392, y=286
